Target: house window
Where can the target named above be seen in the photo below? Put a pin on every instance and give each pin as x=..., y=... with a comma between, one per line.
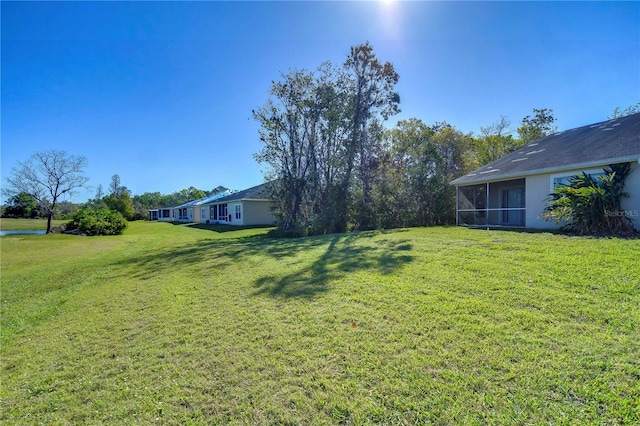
x=213, y=212
x=238, y=212
x=166, y=213
x=563, y=178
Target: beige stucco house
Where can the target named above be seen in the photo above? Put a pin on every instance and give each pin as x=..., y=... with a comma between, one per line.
x=251, y=206
x=513, y=191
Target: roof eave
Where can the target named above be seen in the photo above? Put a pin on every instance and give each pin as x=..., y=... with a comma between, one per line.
x=575, y=166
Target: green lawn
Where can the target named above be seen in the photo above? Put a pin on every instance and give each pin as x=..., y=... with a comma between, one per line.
x=27, y=224
x=172, y=324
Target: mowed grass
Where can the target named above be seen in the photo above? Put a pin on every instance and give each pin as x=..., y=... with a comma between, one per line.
x=171, y=324
x=7, y=224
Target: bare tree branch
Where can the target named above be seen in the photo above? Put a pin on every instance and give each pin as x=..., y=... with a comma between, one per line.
x=47, y=176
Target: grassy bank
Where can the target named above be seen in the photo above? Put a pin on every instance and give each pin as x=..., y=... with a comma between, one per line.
x=7, y=224
x=175, y=324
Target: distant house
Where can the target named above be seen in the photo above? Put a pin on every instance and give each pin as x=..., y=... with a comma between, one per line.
x=251, y=206
x=248, y=207
x=186, y=212
x=512, y=191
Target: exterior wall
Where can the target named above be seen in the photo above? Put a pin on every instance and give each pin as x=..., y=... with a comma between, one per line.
x=257, y=213
x=231, y=211
x=537, y=191
x=194, y=214
x=538, y=188
x=631, y=205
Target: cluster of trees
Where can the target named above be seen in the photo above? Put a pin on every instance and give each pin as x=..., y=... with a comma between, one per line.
x=136, y=207
x=334, y=167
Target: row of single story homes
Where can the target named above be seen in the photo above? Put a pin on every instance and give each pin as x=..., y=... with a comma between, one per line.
x=511, y=192
x=248, y=207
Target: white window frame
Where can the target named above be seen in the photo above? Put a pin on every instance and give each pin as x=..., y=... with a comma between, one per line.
x=238, y=211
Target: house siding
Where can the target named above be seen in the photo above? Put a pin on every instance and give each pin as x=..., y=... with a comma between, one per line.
x=257, y=213
x=631, y=205
x=538, y=188
x=536, y=199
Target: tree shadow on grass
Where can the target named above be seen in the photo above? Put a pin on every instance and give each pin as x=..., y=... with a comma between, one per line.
x=344, y=254
x=338, y=255
x=218, y=228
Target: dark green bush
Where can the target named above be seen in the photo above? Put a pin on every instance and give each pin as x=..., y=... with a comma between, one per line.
x=98, y=222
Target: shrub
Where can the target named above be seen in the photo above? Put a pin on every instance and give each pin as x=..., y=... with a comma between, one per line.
x=98, y=222
x=590, y=205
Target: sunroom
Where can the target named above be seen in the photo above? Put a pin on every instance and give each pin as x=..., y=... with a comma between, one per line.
x=494, y=204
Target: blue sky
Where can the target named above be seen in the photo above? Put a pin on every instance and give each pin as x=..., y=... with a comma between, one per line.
x=161, y=93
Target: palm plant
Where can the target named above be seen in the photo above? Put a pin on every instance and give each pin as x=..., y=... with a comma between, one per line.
x=590, y=205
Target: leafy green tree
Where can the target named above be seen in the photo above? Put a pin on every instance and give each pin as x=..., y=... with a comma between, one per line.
x=121, y=203
x=21, y=205
x=536, y=127
x=371, y=96
x=48, y=176
x=287, y=121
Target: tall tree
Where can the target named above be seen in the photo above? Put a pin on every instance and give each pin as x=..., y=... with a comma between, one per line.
x=48, y=176
x=321, y=132
x=99, y=192
x=115, y=185
x=373, y=95
x=538, y=126
x=286, y=122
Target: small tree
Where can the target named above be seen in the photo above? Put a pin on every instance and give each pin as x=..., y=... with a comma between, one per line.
x=592, y=205
x=48, y=176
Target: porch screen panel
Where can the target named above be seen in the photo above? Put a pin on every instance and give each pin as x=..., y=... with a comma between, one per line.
x=472, y=204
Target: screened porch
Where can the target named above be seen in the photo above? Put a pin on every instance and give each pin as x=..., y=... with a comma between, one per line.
x=495, y=204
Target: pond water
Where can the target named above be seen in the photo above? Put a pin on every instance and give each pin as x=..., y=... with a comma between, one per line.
x=24, y=232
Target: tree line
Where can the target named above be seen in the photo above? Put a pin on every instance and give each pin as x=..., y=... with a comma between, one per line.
x=334, y=167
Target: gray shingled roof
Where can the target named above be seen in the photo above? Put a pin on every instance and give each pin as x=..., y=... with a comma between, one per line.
x=603, y=143
x=259, y=192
